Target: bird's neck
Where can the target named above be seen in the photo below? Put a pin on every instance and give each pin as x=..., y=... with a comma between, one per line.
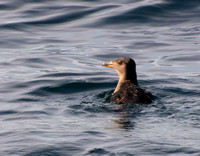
x=124, y=78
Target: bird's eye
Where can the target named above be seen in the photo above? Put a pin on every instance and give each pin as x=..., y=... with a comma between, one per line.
x=120, y=62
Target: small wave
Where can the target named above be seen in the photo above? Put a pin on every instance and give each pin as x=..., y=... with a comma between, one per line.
x=68, y=149
x=183, y=58
x=69, y=88
x=10, y=5
x=165, y=12
x=28, y=62
x=10, y=115
x=28, y=99
x=58, y=18
x=65, y=74
x=179, y=60
x=8, y=112
x=182, y=91
x=98, y=151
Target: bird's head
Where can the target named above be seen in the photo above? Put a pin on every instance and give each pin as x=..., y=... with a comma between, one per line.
x=125, y=67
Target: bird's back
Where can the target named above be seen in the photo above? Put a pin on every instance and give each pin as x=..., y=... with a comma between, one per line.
x=131, y=94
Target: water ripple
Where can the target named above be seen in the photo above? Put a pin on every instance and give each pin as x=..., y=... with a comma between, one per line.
x=55, y=95
x=57, y=19
x=69, y=88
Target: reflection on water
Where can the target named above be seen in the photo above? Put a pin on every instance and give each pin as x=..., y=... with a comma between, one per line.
x=55, y=94
x=127, y=115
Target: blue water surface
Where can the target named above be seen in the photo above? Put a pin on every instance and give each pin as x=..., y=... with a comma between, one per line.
x=54, y=94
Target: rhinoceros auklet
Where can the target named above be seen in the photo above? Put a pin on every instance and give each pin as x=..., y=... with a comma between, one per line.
x=127, y=90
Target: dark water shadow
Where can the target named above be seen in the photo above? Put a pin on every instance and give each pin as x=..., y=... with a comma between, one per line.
x=69, y=88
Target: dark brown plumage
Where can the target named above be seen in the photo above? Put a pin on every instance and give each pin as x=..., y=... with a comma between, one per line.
x=127, y=90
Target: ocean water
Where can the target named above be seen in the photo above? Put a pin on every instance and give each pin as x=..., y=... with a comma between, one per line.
x=54, y=94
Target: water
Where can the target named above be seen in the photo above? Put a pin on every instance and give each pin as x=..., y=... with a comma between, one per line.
x=54, y=93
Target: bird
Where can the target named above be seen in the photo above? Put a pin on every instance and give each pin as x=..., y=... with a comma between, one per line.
x=127, y=90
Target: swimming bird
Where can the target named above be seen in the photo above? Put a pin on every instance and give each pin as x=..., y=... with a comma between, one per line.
x=127, y=90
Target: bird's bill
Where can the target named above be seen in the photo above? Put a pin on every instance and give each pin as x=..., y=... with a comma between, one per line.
x=108, y=64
